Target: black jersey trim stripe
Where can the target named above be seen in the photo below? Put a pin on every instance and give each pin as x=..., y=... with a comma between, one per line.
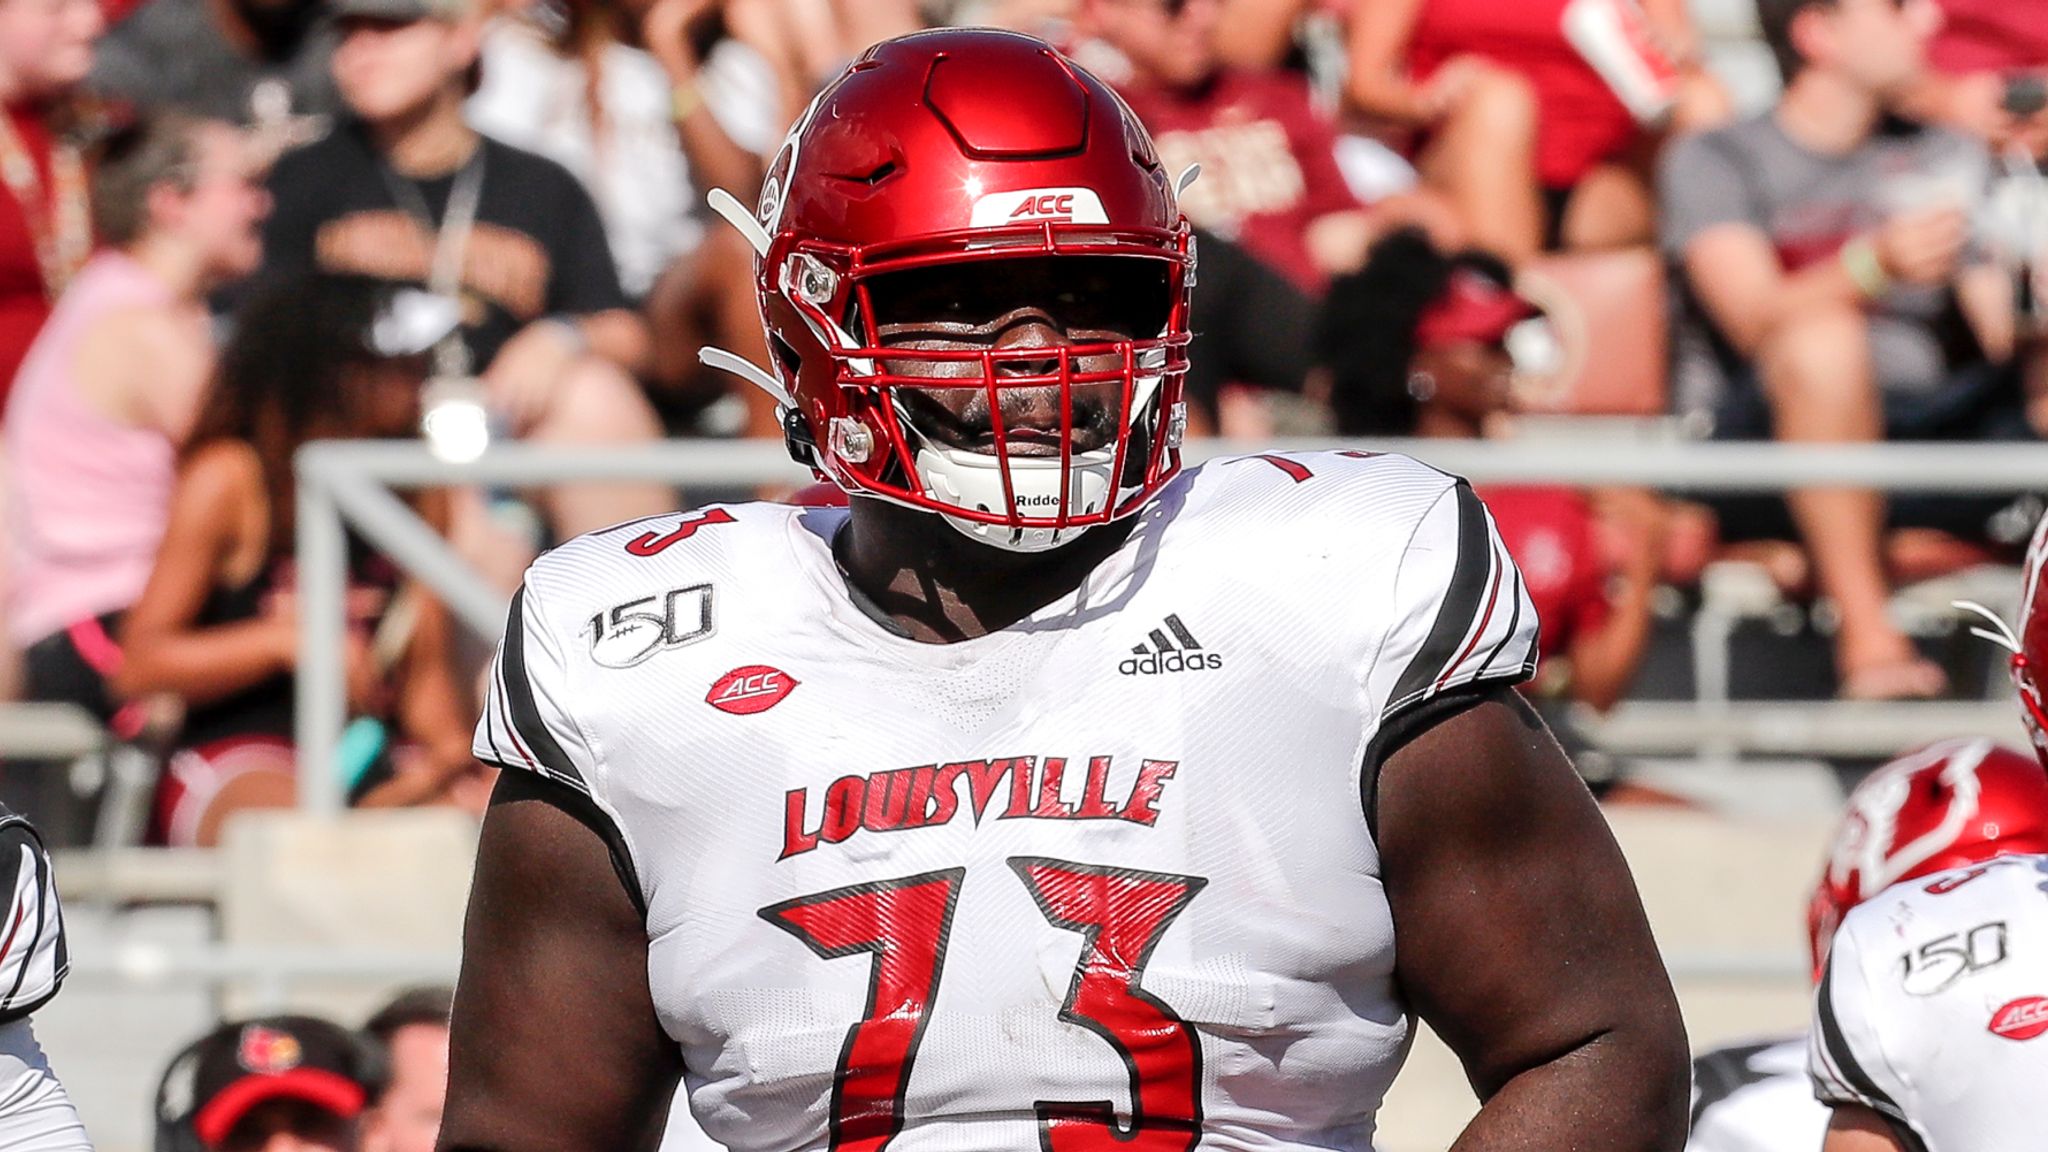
x=9, y=1009
x=1844, y=1059
x=527, y=726
x=1723, y=1072
x=1461, y=604
x=1514, y=617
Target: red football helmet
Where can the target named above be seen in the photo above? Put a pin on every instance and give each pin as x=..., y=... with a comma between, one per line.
x=984, y=160
x=1951, y=804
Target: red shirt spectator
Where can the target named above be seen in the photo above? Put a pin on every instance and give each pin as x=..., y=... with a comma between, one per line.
x=1580, y=121
x=46, y=49
x=45, y=229
x=1552, y=533
x=1269, y=165
x=1990, y=36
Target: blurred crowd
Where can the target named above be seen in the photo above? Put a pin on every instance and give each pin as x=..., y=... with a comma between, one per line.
x=233, y=226
x=296, y=1083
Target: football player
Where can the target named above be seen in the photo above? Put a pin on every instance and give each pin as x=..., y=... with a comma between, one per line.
x=1049, y=796
x=35, y=1113
x=1951, y=805
x=1933, y=1002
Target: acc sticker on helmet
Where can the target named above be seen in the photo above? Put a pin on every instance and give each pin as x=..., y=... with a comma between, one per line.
x=1037, y=205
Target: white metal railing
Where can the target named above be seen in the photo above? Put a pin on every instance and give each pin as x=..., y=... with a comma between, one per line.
x=348, y=483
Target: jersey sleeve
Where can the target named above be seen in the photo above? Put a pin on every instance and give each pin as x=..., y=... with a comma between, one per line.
x=1845, y=1055
x=528, y=725
x=33, y=955
x=1461, y=615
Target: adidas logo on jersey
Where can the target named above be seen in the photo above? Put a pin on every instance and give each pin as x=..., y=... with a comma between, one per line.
x=1180, y=652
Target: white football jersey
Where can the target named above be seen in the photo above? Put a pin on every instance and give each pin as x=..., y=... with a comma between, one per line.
x=33, y=957
x=35, y=1113
x=1934, y=1008
x=1755, y=1098
x=1104, y=875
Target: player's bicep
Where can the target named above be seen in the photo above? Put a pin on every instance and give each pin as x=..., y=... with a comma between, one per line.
x=1521, y=938
x=555, y=1043
x=1854, y=1129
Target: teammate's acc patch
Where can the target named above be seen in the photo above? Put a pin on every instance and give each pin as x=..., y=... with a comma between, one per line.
x=750, y=689
x=2022, y=1019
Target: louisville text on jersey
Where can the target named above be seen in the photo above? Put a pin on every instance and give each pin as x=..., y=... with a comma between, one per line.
x=1027, y=787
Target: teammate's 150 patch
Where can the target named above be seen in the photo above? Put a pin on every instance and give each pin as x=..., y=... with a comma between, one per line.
x=631, y=633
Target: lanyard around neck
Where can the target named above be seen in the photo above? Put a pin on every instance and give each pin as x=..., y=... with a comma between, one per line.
x=451, y=242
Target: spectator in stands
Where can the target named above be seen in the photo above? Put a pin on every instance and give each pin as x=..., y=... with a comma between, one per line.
x=46, y=48
x=1269, y=179
x=1415, y=345
x=1276, y=215
x=404, y=189
x=1512, y=121
x=1832, y=296
x=316, y=358
x=272, y=1084
x=411, y=1035
x=648, y=130
x=1985, y=57
x=258, y=63
x=651, y=105
x=810, y=41
x=110, y=390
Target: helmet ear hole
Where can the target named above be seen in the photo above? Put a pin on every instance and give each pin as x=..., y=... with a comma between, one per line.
x=785, y=355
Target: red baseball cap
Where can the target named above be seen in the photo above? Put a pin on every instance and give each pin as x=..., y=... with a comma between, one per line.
x=275, y=1058
x=1472, y=307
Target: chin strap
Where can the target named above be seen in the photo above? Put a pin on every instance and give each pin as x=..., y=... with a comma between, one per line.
x=735, y=213
x=2002, y=637
x=746, y=370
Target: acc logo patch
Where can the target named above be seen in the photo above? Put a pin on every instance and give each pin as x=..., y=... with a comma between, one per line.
x=267, y=1051
x=750, y=689
x=1037, y=205
x=633, y=632
x=2022, y=1019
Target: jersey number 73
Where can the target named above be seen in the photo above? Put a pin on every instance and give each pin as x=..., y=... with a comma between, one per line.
x=1120, y=913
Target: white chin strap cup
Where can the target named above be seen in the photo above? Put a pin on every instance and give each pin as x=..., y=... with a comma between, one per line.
x=972, y=480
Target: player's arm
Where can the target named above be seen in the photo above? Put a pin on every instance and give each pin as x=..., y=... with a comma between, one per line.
x=555, y=1046
x=555, y=1043
x=1521, y=939
x=1855, y=1128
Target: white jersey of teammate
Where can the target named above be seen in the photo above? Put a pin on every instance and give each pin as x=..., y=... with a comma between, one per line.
x=1755, y=1098
x=35, y=1113
x=1109, y=867
x=1934, y=1008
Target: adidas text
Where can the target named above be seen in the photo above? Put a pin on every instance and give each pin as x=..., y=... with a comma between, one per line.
x=1158, y=664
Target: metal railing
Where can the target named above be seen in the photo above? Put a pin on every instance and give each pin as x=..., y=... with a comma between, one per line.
x=344, y=484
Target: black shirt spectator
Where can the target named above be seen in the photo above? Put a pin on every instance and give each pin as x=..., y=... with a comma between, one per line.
x=537, y=249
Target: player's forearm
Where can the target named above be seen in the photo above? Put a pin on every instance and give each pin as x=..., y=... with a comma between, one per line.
x=1625, y=1090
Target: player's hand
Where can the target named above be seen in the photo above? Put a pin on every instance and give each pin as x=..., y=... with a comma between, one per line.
x=521, y=383
x=1923, y=246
